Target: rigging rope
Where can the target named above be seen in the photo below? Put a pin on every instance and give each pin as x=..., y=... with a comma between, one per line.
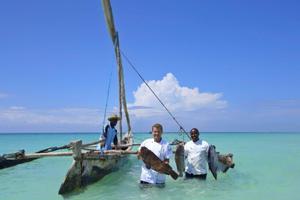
x=160, y=101
x=107, y=96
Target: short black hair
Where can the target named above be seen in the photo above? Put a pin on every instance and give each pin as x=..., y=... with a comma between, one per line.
x=195, y=129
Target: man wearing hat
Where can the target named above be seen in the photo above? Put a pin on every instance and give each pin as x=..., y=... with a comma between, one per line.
x=110, y=133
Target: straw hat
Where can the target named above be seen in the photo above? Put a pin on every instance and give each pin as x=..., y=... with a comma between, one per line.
x=114, y=117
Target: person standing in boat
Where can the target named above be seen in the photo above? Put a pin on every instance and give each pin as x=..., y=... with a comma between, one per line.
x=161, y=149
x=110, y=133
x=196, y=154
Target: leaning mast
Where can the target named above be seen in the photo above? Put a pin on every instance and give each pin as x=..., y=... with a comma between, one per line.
x=115, y=39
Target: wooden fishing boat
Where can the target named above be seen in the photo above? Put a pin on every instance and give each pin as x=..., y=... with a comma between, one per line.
x=89, y=165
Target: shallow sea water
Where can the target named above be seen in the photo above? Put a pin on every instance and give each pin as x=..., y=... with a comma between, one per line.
x=267, y=167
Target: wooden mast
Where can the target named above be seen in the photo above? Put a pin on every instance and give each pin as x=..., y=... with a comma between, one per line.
x=115, y=39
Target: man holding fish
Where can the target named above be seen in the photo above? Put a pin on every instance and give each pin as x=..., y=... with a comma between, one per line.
x=155, y=152
x=196, y=153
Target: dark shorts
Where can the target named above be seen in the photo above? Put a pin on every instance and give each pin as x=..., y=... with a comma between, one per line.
x=144, y=184
x=198, y=176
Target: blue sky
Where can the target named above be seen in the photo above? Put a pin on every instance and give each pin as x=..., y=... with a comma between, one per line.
x=243, y=56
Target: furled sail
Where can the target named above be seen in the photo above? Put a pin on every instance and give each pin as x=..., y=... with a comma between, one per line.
x=115, y=39
x=109, y=19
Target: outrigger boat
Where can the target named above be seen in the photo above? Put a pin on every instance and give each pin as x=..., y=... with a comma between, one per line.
x=88, y=166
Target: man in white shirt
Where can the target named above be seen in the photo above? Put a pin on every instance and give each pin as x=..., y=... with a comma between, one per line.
x=196, y=153
x=161, y=149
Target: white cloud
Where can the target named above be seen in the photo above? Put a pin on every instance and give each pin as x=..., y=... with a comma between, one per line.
x=145, y=110
x=18, y=117
x=3, y=95
x=175, y=97
x=17, y=108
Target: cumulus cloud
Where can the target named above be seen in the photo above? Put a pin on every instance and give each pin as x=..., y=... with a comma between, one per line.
x=174, y=96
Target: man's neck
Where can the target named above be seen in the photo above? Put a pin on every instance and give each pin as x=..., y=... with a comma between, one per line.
x=196, y=140
x=158, y=141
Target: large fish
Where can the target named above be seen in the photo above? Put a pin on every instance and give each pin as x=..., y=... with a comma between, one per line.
x=217, y=162
x=179, y=159
x=153, y=162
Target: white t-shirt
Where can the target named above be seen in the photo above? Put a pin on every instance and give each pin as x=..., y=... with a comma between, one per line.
x=162, y=150
x=196, y=156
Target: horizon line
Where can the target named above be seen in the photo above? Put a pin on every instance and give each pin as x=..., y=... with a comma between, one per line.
x=138, y=132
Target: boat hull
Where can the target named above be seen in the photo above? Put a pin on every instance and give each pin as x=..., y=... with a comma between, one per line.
x=91, y=168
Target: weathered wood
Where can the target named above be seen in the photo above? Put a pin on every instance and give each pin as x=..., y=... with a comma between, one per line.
x=51, y=154
x=76, y=148
x=94, y=167
x=93, y=147
x=59, y=154
x=73, y=177
x=111, y=152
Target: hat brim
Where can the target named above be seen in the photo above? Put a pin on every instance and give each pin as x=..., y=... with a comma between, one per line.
x=113, y=118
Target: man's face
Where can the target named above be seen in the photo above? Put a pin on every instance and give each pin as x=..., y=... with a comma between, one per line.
x=113, y=123
x=156, y=133
x=194, y=135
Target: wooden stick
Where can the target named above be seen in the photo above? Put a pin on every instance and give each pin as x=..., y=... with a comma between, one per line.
x=117, y=146
x=120, y=151
x=58, y=154
x=51, y=154
x=50, y=149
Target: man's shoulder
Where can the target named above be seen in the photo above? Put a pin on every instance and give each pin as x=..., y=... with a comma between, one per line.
x=204, y=142
x=189, y=143
x=147, y=141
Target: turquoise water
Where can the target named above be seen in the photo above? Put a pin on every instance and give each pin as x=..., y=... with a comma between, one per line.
x=267, y=167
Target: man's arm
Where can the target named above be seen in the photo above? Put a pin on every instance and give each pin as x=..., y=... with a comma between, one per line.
x=116, y=140
x=168, y=154
x=104, y=135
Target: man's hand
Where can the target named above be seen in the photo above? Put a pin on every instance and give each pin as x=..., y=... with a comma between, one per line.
x=166, y=161
x=139, y=155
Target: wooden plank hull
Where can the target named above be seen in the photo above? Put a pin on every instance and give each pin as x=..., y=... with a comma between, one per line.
x=91, y=168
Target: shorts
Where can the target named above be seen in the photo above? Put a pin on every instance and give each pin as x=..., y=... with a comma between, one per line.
x=198, y=176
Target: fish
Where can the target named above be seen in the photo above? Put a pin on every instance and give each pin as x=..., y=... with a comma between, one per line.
x=219, y=162
x=179, y=159
x=153, y=162
x=225, y=162
x=212, y=161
